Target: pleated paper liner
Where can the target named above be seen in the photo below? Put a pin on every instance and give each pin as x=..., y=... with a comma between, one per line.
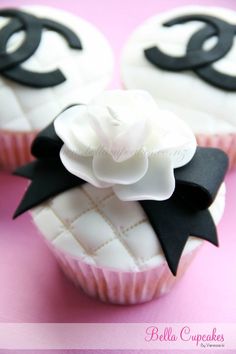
x=15, y=149
x=121, y=287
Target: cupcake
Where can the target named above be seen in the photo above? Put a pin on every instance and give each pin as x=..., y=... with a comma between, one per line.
x=48, y=59
x=123, y=196
x=186, y=59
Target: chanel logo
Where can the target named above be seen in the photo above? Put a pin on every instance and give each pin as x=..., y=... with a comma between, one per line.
x=196, y=58
x=33, y=28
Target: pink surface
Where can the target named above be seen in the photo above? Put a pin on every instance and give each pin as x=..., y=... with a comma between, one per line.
x=33, y=289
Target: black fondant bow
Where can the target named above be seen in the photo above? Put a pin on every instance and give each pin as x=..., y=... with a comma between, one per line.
x=174, y=220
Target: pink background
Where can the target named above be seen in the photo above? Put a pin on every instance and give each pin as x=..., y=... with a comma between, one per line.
x=33, y=289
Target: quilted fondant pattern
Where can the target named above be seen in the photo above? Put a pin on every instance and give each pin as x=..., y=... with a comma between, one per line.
x=94, y=225
x=88, y=72
x=184, y=93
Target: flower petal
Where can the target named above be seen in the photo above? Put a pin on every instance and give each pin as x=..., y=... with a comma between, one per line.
x=129, y=142
x=81, y=167
x=102, y=124
x=157, y=184
x=126, y=172
x=179, y=156
x=120, y=120
x=172, y=137
x=74, y=128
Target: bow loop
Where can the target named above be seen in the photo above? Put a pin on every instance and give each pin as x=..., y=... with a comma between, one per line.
x=47, y=144
x=199, y=181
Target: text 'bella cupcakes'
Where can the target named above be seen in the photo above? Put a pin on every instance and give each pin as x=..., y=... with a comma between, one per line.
x=185, y=58
x=123, y=196
x=49, y=59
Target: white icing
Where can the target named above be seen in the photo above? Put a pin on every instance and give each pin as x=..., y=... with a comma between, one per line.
x=124, y=141
x=88, y=72
x=205, y=108
x=94, y=225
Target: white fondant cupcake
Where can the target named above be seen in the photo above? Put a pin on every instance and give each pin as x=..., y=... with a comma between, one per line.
x=124, y=209
x=185, y=58
x=47, y=61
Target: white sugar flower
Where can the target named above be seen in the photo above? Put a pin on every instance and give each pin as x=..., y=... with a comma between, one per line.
x=124, y=141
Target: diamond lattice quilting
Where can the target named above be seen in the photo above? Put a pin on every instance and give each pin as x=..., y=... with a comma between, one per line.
x=204, y=102
x=88, y=72
x=92, y=224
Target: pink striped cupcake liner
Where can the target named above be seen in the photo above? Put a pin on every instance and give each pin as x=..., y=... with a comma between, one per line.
x=226, y=142
x=15, y=149
x=121, y=287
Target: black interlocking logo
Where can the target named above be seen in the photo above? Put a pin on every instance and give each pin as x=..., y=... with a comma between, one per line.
x=196, y=58
x=33, y=28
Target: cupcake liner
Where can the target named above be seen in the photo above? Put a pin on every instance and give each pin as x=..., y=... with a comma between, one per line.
x=121, y=287
x=15, y=149
x=226, y=142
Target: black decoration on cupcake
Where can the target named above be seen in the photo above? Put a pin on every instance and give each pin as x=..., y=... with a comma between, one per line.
x=186, y=212
x=174, y=220
x=196, y=58
x=32, y=27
